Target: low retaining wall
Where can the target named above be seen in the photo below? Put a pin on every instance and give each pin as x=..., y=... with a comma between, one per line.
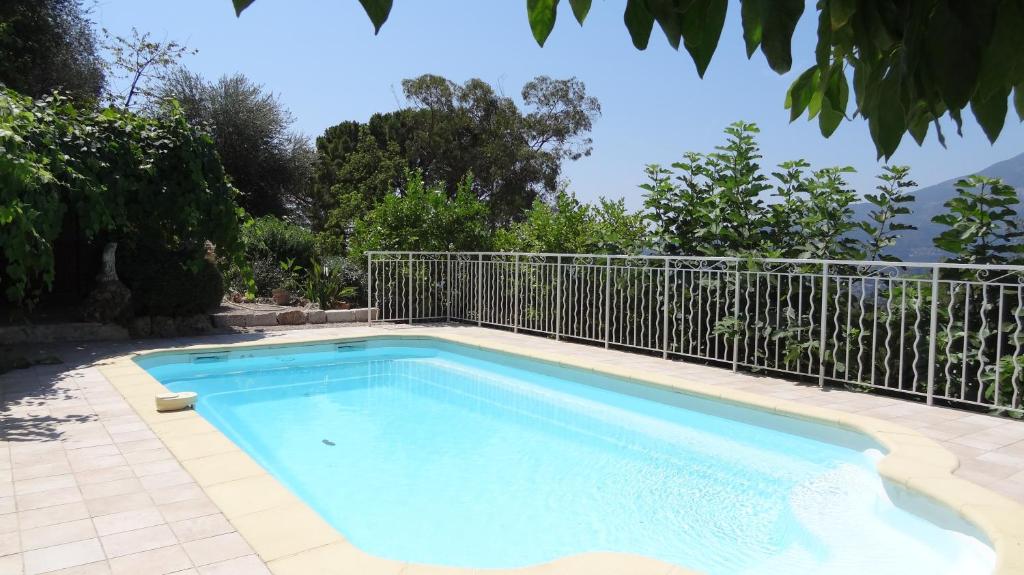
x=295, y=316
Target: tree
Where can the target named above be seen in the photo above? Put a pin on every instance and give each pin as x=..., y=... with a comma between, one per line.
x=982, y=224
x=568, y=225
x=451, y=129
x=270, y=166
x=141, y=62
x=713, y=205
x=912, y=62
x=889, y=203
x=48, y=45
x=425, y=218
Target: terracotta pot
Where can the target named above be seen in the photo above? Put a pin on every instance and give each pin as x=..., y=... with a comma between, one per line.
x=281, y=296
x=342, y=305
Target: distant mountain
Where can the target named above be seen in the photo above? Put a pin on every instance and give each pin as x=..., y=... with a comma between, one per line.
x=916, y=245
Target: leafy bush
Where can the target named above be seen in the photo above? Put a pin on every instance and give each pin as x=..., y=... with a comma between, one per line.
x=571, y=226
x=324, y=285
x=982, y=224
x=424, y=219
x=266, y=242
x=170, y=283
x=125, y=177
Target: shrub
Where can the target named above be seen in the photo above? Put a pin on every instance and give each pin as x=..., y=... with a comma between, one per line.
x=170, y=283
x=124, y=177
x=324, y=285
x=266, y=242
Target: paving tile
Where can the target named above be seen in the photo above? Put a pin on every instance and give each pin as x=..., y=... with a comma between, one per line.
x=57, y=534
x=99, y=463
x=11, y=564
x=10, y=543
x=180, y=510
x=97, y=568
x=247, y=565
x=45, y=470
x=118, y=503
x=142, y=445
x=148, y=456
x=62, y=556
x=148, y=468
x=53, y=515
x=47, y=498
x=166, y=479
x=104, y=474
x=201, y=527
x=138, y=540
x=216, y=549
x=26, y=486
x=171, y=559
x=8, y=522
x=175, y=493
x=128, y=520
x=111, y=488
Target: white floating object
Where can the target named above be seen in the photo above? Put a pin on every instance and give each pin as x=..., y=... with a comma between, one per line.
x=175, y=401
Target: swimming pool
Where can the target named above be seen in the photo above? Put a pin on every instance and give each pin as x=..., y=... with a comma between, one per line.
x=432, y=452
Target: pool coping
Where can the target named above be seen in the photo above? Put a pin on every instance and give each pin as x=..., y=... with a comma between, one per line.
x=293, y=539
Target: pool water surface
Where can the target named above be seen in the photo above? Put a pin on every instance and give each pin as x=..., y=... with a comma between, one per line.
x=433, y=452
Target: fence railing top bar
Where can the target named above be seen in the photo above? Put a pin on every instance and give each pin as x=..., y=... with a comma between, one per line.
x=794, y=261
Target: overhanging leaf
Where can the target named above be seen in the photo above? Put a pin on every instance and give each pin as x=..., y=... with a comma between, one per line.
x=542, y=18
x=779, y=21
x=580, y=9
x=840, y=12
x=377, y=10
x=241, y=5
x=639, y=22
x=702, y=27
x=801, y=91
x=751, y=14
x=991, y=113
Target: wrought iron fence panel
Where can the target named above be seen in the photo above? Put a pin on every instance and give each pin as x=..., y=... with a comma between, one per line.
x=939, y=331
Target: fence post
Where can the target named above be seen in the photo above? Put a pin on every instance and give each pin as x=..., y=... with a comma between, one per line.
x=736, y=314
x=515, y=308
x=607, y=301
x=664, y=313
x=558, y=298
x=448, y=288
x=369, y=290
x=410, y=289
x=821, y=325
x=932, y=332
x=479, y=290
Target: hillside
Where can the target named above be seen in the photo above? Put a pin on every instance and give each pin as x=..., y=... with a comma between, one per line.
x=917, y=245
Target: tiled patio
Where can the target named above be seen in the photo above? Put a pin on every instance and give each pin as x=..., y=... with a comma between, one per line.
x=87, y=488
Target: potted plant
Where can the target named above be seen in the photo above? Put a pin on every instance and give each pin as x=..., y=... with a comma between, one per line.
x=323, y=285
x=283, y=295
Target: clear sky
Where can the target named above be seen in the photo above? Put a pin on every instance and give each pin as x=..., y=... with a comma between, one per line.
x=323, y=60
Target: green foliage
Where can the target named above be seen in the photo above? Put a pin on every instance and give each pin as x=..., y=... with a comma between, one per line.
x=882, y=228
x=715, y=208
x=912, y=62
x=424, y=219
x=271, y=166
x=170, y=283
x=324, y=285
x=268, y=242
x=570, y=226
x=450, y=129
x=124, y=177
x=48, y=45
x=982, y=223
x=712, y=204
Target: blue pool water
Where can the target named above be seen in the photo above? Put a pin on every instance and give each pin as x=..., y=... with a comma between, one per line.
x=431, y=452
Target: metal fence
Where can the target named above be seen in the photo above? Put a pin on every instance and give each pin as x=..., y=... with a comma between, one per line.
x=940, y=331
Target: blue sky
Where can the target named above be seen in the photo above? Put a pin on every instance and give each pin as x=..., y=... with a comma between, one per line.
x=323, y=60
